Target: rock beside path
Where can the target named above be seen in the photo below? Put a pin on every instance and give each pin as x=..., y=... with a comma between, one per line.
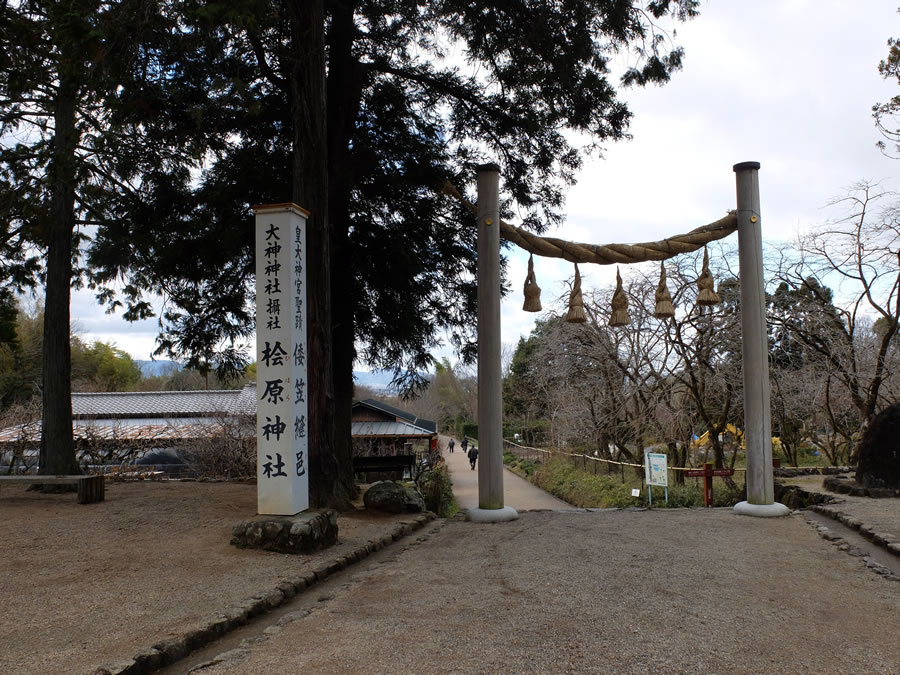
x=392, y=497
x=304, y=533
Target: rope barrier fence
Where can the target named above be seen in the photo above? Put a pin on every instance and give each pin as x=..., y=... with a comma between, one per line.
x=545, y=451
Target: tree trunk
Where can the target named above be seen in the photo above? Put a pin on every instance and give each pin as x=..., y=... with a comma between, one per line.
x=57, y=454
x=344, y=93
x=677, y=461
x=310, y=190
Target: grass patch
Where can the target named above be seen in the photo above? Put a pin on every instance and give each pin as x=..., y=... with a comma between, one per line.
x=588, y=490
x=522, y=467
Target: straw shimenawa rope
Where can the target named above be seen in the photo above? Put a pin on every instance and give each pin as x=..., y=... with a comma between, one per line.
x=609, y=254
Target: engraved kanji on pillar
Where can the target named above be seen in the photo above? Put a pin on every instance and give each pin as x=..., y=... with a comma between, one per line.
x=281, y=389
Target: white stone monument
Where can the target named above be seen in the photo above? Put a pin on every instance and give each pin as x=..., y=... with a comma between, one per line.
x=282, y=465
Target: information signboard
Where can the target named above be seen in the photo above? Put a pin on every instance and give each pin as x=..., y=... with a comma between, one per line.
x=656, y=470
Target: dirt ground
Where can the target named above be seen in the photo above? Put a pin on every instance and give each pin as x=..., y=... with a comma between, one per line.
x=681, y=590
x=89, y=584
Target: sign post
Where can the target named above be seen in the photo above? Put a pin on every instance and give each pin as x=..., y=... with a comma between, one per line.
x=282, y=443
x=707, y=473
x=656, y=473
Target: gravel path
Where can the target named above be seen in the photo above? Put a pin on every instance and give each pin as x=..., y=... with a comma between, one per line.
x=694, y=591
x=558, y=591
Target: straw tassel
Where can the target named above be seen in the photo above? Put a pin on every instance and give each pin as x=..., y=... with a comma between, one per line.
x=576, y=304
x=706, y=296
x=532, y=290
x=664, y=308
x=619, y=316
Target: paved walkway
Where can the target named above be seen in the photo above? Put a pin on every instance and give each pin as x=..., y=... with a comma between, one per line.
x=517, y=492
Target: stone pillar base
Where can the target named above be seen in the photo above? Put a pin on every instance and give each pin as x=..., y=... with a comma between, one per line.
x=304, y=533
x=775, y=510
x=492, y=515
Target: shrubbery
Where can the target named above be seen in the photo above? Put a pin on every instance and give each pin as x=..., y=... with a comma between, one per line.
x=523, y=467
x=437, y=491
x=229, y=452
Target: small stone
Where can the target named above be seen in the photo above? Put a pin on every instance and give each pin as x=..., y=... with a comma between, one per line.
x=272, y=529
x=235, y=616
x=301, y=529
x=148, y=660
x=293, y=616
x=172, y=650
x=273, y=598
x=124, y=668
x=231, y=655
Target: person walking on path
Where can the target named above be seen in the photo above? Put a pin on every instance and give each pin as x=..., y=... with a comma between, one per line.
x=464, y=444
x=451, y=444
x=473, y=457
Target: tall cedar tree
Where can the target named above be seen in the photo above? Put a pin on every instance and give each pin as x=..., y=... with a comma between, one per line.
x=60, y=66
x=361, y=111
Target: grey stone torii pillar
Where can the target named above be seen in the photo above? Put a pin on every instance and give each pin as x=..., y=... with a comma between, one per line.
x=490, y=377
x=755, y=347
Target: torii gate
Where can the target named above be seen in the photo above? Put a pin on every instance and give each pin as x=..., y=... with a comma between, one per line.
x=746, y=220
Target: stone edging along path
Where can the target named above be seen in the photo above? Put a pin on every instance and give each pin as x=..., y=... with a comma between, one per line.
x=798, y=498
x=885, y=541
x=167, y=652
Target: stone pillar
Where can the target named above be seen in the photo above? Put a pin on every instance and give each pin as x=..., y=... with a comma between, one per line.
x=755, y=347
x=281, y=384
x=490, y=377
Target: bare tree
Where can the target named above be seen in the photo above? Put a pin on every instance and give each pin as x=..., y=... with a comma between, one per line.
x=856, y=255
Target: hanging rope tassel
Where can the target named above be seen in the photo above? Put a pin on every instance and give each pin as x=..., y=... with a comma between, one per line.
x=664, y=308
x=619, y=316
x=706, y=296
x=576, y=304
x=532, y=290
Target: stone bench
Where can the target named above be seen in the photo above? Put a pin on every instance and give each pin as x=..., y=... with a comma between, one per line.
x=90, y=488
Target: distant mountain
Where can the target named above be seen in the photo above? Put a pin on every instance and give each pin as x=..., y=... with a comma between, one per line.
x=379, y=380
x=157, y=368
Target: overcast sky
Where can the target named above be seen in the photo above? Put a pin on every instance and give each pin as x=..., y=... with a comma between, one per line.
x=787, y=83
